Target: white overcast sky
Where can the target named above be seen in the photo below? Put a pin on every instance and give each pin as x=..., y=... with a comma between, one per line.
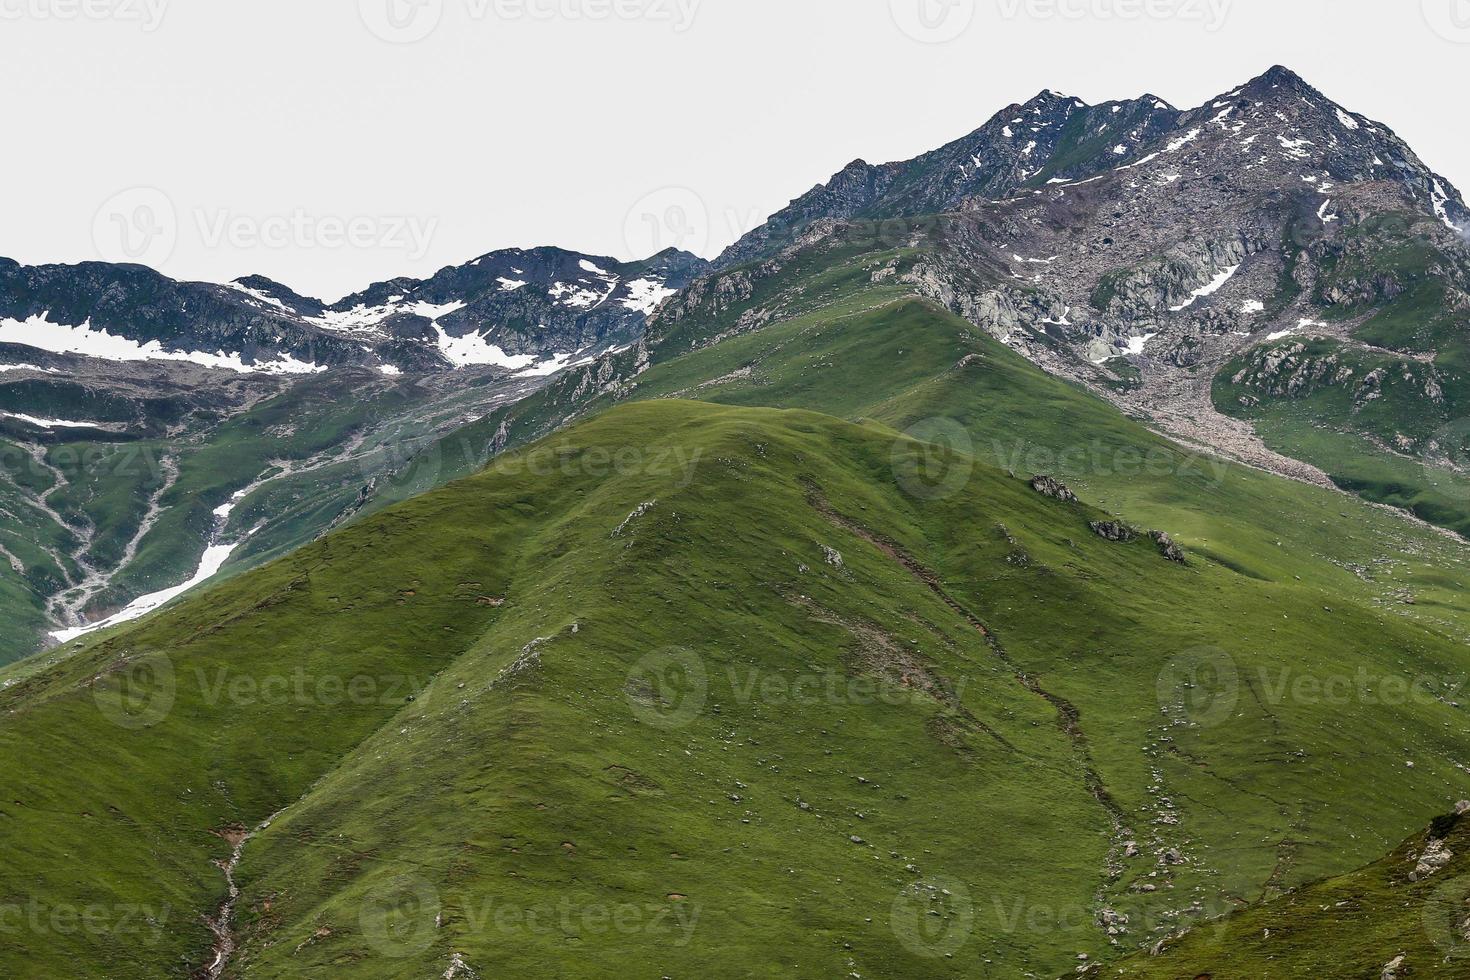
x=229, y=137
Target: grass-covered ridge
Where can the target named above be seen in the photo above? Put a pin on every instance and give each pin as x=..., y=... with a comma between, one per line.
x=693, y=677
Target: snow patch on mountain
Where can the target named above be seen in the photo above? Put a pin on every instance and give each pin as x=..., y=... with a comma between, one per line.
x=434, y=311
x=358, y=321
x=40, y=333
x=258, y=295
x=214, y=558
x=1138, y=163
x=579, y=296
x=644, y=295
x=1295, y=148
x=1440, y=199
x=53, y=423
x=473, y=350
x=1209, y=289
x=1136, y=344
x=1182, y=141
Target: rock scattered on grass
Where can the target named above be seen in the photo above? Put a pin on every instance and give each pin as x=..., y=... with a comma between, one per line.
x=1434, y=858
x=1050, y=487
x=638, y=512
x=1113, y=531
x=1168, y=548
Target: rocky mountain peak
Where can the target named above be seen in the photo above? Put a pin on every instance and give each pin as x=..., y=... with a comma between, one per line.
x=1275, y=79
x=1052, y=99
x=272, y=293
x=1279, y=130
x=1046, y=108
x=1050, y=138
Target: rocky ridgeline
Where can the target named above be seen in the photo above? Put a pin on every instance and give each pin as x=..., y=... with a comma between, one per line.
x=1023, y=144
x=530, y=304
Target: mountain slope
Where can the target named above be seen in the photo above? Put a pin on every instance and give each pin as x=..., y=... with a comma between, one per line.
x=1057, y=139
x=467, y=795
x=808, y=669
x=1269, y=274
x=1413, y=901
x=1182, y=281
x=145, y=422
x=180, y=463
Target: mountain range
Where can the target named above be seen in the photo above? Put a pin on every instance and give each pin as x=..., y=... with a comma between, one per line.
x=520, y=310
x=1042, y=557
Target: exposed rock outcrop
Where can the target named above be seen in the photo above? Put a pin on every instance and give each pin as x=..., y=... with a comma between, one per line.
x=1168, y=548
x=1051, y=487
x=1113, y=531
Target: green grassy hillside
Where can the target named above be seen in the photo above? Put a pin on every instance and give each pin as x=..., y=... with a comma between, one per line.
x=1340, y=927
x=689, y=678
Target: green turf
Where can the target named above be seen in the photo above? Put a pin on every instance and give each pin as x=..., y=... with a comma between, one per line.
x=1340, y=927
